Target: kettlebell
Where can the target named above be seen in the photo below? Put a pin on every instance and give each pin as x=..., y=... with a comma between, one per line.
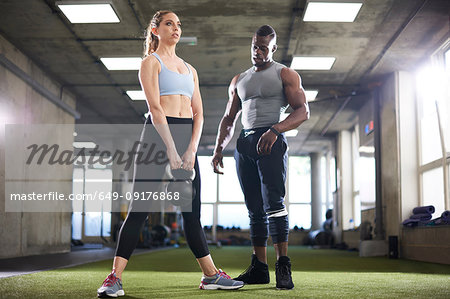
x=180, y=186
x=179, y=174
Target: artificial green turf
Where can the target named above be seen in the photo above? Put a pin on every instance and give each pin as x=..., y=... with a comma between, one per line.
x=174, y=273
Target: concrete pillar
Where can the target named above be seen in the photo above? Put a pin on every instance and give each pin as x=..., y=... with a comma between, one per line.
x=316, y=191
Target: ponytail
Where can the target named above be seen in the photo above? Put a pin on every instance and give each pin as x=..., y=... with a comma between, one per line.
x=151, y=41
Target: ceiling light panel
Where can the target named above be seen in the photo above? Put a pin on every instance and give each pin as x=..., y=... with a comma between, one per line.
x=136, y=95
x=331, y=12
x=122, y=63
x=312, y=63
x=89, y=13
x=291, y=133
x=311, y=95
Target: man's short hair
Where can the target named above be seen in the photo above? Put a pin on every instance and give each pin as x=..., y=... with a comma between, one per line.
x=266, y=30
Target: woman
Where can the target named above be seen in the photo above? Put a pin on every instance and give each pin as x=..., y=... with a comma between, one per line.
x=173, y=96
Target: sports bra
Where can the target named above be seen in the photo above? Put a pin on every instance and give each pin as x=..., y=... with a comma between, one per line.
x=171, y=82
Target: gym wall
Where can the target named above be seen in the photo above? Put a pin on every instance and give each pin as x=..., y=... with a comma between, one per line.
x=23, y=234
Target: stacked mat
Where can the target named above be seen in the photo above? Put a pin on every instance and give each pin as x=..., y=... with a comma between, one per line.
x=444, y=219
x=420, y=216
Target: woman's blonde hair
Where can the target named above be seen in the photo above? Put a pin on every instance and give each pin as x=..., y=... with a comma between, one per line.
x=151, y=40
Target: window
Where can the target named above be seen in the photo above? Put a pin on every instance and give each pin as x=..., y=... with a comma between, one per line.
x=429, y=126
x=333, y=183
x=300, y=215
x=433, y=189
x=229, y=201
x=229, y=187
x=433, y=97
x=77, y=205
x=208, y=180
x=233, y=215
x=207, y=214
x=366, y=175
x=98, y=213
x=300, y=180
x=299, y=192
x=355, y=220
x=89, y=179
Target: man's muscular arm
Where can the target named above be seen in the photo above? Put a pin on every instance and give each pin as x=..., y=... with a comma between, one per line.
x=226, y=126
x=296, y=98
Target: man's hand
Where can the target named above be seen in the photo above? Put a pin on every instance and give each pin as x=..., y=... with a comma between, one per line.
x=216, y=161
x=265, y=143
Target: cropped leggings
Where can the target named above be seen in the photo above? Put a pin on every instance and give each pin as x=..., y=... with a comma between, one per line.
x=181, y=130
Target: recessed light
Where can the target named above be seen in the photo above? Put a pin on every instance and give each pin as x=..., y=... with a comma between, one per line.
x=312, y=63
x=331, y=12
x=85, y=144
x=136, y=95
x=311, y=95
x=122, y=63
x=291, y=133
x=89, y=13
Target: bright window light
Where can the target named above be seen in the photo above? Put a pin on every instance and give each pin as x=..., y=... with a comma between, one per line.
x=331, y=12
x=430, y=83
x=122, y=63
x=312, y=63
x=136, y=95
x=447, y=61
x=89, y=13
x=85, y=144
x=311, y=95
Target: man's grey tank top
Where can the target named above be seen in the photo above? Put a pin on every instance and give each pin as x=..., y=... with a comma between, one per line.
x=262, y=96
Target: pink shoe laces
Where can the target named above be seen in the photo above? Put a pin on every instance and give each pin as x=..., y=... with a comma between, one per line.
x=110, y=280
x=223, y=274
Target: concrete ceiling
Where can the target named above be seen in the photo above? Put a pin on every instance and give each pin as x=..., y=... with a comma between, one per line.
x=387, y=35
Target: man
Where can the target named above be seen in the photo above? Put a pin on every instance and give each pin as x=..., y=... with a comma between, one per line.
x=262, y=93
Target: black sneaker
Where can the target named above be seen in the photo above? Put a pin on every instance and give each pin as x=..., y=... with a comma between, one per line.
x=283, y=273
x=256, y=273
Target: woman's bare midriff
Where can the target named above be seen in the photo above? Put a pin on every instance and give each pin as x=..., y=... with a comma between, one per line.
x=176, y=106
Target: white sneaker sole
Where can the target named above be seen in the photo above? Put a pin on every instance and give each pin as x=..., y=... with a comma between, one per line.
x=114, y=295
x=219, y=287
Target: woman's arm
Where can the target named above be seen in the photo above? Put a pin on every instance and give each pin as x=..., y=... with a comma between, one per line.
x=148, y=77
x=197, y=115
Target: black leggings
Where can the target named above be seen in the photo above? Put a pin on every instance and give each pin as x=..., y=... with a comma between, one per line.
x=195, y=236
